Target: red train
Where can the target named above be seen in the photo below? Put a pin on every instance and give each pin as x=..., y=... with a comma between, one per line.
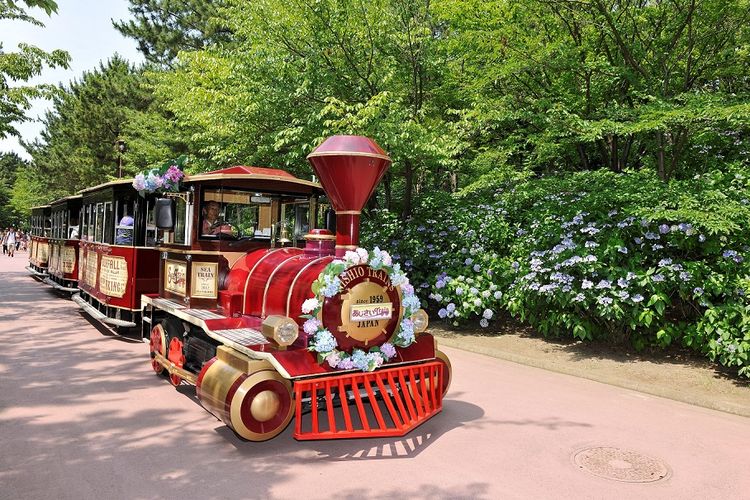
x=268, y=316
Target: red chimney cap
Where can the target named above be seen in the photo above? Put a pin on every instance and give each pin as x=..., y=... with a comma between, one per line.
x=349, y=145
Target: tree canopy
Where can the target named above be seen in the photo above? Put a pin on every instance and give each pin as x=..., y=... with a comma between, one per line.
x=21, y=66
x=463, y=94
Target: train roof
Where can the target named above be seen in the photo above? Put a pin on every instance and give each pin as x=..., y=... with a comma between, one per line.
x=241, y=172
x=66, y=198
x=116, y=182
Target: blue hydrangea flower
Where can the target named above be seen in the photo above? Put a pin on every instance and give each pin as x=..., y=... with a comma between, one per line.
x=637, y=298
x=604, y=300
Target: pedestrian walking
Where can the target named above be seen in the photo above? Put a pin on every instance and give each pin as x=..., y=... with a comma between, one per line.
x=5, y=241
x=10, y=242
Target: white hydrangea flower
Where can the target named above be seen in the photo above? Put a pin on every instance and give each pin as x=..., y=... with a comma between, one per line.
x=310, y=305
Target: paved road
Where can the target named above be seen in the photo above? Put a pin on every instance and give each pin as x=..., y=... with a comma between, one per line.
x=83, y=416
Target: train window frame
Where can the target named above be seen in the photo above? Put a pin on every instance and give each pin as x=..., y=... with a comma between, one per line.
x=124, y=234
x=109, y=227
x=257, y=201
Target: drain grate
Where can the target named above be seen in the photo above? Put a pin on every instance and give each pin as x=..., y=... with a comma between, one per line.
x=621, y=465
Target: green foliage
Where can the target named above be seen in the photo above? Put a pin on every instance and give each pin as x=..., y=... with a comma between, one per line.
x=77, y=148
x=23, y=65
x=10, y=165
x=555, y=85
x=162, y=28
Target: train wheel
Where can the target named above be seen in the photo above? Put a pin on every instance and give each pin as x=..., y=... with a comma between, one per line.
x=177, y=357
x=158, y=345
x=262, y=406
x=447, y=370
x=447, y=374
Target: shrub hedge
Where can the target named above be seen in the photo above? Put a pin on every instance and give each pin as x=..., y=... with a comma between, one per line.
x=625, y=257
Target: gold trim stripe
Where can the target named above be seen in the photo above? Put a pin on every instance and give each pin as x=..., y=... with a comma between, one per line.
x=250, y=274
x=270, y=281
x=319, y=237
x=348, y=153
x=349, y=212
x=294, y=282
x=248, y=177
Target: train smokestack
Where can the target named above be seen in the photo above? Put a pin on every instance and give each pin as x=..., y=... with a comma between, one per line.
x=349, y=168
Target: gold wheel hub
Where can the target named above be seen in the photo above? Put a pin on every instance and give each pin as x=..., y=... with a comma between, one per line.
x=265, y=405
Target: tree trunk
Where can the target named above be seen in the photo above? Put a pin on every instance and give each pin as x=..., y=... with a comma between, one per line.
x=614, y=159
x=387, y=188
x=660, y=155
x=408, y=187
x=626, y=153
x=583, y=156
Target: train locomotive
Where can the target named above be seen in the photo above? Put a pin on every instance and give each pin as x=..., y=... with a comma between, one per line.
x=329, y=334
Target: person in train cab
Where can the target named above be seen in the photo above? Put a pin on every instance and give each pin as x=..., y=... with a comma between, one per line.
x=125, y=231
x=213, y=224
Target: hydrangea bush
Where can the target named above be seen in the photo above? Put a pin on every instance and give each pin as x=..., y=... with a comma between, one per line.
x=591, y=255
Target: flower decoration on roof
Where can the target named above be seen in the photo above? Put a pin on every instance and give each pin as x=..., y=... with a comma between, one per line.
x=162, y=179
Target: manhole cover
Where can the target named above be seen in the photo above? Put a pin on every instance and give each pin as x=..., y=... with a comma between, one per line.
x=621, y=465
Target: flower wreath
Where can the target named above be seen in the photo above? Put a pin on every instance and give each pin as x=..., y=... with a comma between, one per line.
x=328, y=285
x=165, y=178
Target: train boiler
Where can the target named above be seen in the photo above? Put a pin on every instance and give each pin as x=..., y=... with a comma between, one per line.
x=329, y=334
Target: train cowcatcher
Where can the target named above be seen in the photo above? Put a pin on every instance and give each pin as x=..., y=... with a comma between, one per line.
x=329, y=334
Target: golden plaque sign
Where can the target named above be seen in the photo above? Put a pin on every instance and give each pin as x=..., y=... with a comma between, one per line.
x=175, y=277
x=92, y=268
x=68, y=259
x=52, y=262
x=43, y=252
x=204, y=281
x=81, y=263
x=113, y=276
x=368, y=308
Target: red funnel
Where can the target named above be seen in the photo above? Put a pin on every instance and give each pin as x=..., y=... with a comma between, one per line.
x=349, y=168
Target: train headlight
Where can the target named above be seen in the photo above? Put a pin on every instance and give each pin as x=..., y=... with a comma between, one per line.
x=421, y=320
x=282, y=329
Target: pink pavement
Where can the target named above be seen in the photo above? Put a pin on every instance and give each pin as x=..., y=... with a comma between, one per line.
x=83, y=416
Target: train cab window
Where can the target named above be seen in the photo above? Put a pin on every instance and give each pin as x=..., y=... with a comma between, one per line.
x=181, y=222
x=109, y=231
x=99, y=222
x=295, y=217
x=124, y=230
x=151, y=231
x=72, y=232
x=234, y=214
x=91, y=222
